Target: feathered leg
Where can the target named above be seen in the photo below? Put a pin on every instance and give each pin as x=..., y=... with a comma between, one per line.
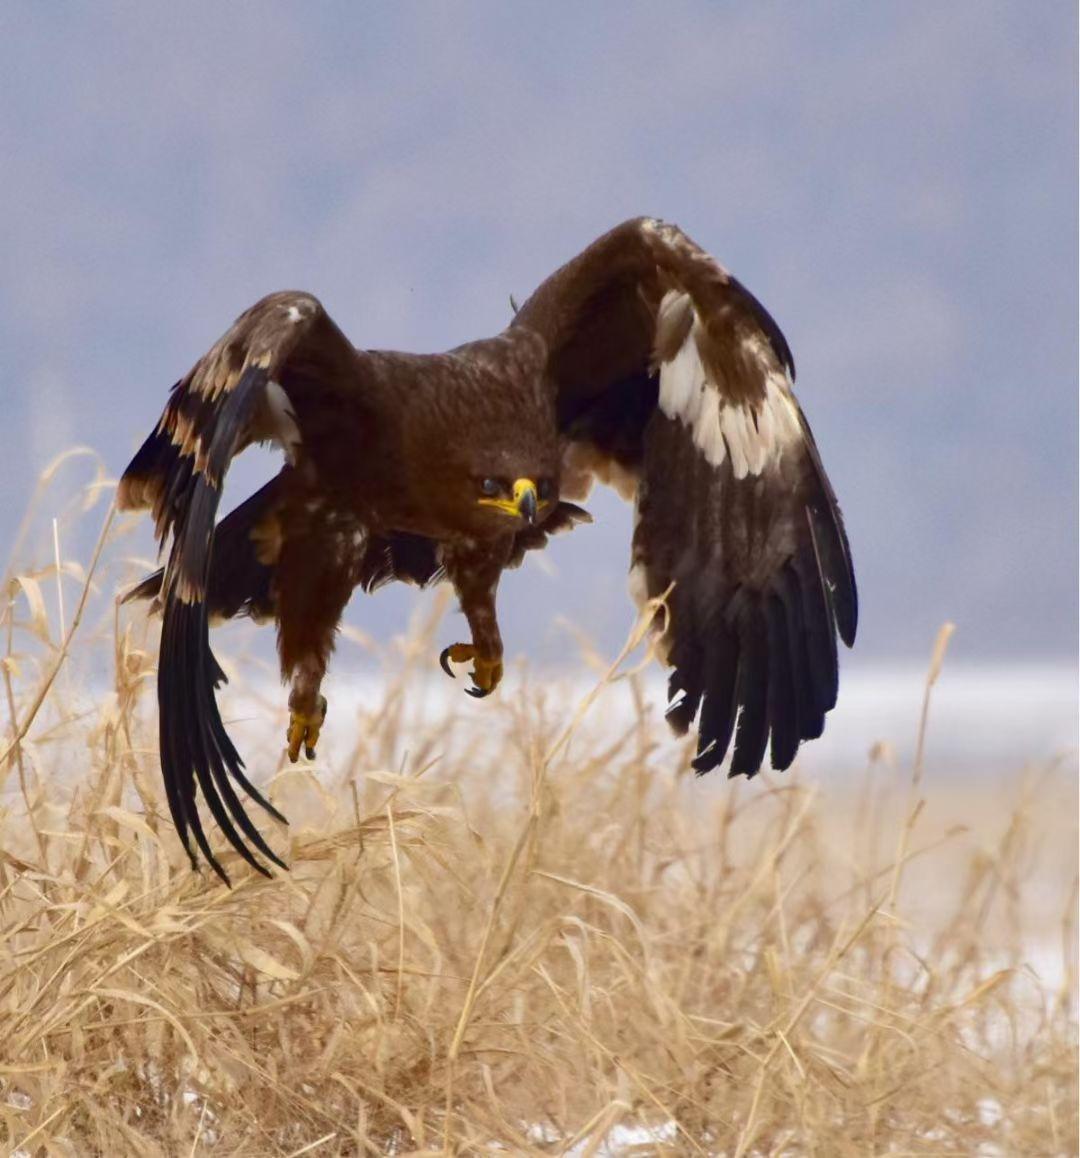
x=313, y=584
x=474, y=570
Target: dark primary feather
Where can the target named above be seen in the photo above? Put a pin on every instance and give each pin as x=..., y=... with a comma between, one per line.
x=831, y=539
x=195, y=745
x=752, y=629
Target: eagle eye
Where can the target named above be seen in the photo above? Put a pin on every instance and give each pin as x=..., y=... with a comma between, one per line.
x=490, y=487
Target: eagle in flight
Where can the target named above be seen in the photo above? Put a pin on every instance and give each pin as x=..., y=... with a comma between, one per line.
x=642, y=363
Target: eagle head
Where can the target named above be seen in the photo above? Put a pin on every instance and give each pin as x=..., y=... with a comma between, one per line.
x=486, y=490
x=485, y=453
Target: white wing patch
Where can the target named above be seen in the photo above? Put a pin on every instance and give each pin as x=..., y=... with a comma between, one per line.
x=283, y=420
x=752, y=436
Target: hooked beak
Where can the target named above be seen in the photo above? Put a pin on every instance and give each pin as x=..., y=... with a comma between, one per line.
x=525, y=499
x=524, y=502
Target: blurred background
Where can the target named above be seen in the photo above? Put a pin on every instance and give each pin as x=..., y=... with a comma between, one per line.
x=896, y=182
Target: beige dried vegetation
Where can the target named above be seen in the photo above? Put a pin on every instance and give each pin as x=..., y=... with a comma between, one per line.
x=510, y=928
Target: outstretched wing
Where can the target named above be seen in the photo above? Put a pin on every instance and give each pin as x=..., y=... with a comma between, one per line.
x=674, y=384
x=283, y=373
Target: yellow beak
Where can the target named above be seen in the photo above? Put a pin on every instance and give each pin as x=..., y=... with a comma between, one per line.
x=524, y=504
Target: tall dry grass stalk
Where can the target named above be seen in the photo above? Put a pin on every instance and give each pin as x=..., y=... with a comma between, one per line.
x=515, y=928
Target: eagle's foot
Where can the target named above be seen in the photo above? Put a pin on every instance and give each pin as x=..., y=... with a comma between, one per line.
x=304, y=730
x=486, y=672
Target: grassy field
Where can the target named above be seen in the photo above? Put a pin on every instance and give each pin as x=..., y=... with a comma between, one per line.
x=513, y=927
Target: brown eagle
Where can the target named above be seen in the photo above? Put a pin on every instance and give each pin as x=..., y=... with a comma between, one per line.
x=642, y=362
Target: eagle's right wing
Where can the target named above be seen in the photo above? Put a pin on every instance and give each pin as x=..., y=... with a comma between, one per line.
x=283, y=373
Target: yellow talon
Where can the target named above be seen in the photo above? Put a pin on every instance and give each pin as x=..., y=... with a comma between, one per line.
x=304, y=731
x=486, y=673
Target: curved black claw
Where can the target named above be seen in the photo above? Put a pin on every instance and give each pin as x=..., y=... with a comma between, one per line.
x=444, y=661
x=478, y=693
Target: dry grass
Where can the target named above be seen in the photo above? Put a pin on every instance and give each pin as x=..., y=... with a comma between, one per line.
x=495, y=939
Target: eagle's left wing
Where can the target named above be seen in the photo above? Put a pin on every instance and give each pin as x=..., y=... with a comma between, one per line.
x=674, y=384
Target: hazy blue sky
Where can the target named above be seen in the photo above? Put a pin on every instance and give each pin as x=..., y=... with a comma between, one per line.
x=896, y=181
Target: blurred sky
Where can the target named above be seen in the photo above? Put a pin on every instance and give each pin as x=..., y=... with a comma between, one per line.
x=897, y=182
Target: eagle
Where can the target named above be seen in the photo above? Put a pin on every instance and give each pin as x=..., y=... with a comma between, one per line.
x=642, y=363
